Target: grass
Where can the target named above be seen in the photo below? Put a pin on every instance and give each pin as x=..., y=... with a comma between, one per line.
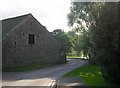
x=73, y=57
x=76, y=57
x=90, y=74
x=27, y=67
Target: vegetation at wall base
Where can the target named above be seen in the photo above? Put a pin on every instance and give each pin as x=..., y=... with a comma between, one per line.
x=76, y=57
x=90, y=74
x=27, y=67
x=73, y=57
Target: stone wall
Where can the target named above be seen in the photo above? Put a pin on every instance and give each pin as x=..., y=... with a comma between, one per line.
x=18, y=52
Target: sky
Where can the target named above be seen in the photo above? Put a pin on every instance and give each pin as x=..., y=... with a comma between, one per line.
x=50, y=13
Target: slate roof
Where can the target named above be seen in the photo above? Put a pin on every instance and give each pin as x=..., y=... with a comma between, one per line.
x=8, y=24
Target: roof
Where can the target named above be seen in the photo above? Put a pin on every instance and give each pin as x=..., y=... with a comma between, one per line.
x=8, y=24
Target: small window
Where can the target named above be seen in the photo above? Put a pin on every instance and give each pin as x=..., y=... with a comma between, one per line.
x=15, y=47
x=15, y=44
x=31, y=39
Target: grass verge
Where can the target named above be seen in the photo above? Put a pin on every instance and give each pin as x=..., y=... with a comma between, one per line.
x=90, y=74
x=73, y=57
x=76, y=57
x=27, y=67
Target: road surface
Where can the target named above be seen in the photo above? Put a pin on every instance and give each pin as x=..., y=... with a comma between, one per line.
x=40, y=77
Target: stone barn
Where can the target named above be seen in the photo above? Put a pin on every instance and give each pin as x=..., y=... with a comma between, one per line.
x=25, y=41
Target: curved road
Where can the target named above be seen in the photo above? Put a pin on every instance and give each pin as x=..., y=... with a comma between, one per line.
x=41, y=77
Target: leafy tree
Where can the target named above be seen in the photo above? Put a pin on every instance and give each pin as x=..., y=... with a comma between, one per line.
x=79, y=20
x=101, y=20
x=63, y=38
x=105, y=38
x=83, y=44
x=73, y=39
x=80, y=41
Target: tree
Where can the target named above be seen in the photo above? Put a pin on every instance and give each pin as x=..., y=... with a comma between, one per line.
x=79, y=20
x=73, y=39
x=83, y=44
x=63, y=38
x=105, y=39
x=101, y=20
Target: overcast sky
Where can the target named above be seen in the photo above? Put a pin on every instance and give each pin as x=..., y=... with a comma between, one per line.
x=50, y=13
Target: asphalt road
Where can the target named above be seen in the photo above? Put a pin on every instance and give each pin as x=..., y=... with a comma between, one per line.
x=40, y=77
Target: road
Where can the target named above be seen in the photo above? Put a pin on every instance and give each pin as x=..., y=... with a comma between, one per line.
x=40, y=77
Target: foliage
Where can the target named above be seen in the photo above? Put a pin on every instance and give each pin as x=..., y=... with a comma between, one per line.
x=73, y=39
x=82, y=44
x=79, y=20
x=90, y=74
x=79, y=41
x=105, y=40
x=101, y=25
x=63, y=38
x=26, y=67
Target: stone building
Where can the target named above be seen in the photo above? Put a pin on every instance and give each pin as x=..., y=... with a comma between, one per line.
x=25, y=41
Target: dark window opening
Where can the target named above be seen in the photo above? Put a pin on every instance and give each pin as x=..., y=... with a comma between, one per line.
x=15, y=44
x=15, y=47
x=31, y=39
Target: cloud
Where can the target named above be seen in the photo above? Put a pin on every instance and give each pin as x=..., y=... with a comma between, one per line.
x=51, y=13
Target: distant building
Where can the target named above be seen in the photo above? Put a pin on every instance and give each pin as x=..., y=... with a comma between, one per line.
x=25, y=41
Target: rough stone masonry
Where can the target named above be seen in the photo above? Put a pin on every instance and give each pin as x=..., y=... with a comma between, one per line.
x=25, y=41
